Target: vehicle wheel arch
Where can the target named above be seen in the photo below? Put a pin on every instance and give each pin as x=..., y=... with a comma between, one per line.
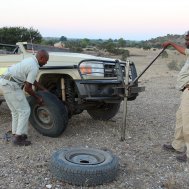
x=67, y=95
x=52, y=80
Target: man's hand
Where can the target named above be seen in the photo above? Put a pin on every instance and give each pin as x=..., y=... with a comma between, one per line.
x=179, y=48
x=45, y=90
x=40, y=100
x=166, y=44
x=40, y=87
x=29, y=90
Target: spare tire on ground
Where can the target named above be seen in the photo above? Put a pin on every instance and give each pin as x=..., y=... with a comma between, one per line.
x=51, y=119
x=84, y=166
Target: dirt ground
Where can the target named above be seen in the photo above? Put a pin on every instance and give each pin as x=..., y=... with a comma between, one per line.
x=143, y=163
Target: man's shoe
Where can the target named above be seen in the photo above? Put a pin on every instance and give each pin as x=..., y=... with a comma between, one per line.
x=24, y=136
x=20, y=141
x=169, y=147
x=182, y=158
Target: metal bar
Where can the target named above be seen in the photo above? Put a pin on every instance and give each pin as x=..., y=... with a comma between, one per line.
x=8, y=45
x=58, y=67
x=119, y=71
x=63, y=89
x=123, y=128
x=100, y=82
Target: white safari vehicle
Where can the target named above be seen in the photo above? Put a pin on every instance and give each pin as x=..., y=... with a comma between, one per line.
x=76, y=82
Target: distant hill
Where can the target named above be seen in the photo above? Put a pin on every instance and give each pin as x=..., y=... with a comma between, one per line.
x=147, y=44
x=174, y=38
x=156, y=42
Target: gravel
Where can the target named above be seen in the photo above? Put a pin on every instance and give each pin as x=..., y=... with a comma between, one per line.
x=143, y=163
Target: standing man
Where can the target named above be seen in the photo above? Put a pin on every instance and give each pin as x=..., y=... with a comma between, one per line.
x=181, y=137
x=22, y=74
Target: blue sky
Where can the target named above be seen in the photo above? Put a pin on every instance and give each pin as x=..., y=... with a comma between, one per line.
x=98, y=19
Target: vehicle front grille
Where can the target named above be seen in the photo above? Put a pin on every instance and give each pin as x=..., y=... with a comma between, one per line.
x=110, y=70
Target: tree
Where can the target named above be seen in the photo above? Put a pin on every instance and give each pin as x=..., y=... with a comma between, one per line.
x=74, y=46
x=121, y=42
x=63, y=38
x=50, y=41
x=125, y=54
x=85, y=42
x=11, y=35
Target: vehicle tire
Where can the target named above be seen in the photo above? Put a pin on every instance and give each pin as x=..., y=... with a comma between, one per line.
x=104, y=112
x=84, y=166
x=1, y=102
x=51, y=119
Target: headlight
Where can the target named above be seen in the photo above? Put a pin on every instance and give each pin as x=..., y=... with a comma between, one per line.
x=92, y=69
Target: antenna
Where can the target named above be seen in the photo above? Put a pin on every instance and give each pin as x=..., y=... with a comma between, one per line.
x=31, y=41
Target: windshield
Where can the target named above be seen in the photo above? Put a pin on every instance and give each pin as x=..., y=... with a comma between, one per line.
x=8, y=49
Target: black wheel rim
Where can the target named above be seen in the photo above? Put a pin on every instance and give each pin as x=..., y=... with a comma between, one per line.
x=43, y=117
x=84, y=157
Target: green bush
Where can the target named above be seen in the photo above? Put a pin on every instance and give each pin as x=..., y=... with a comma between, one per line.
x=164, y=54
x=173, y=65
x=181, y=65
x=125, y=54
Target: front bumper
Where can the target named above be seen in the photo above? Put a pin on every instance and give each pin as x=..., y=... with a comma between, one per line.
x=103, y=90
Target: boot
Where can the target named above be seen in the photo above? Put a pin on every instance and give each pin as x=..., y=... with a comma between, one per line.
x=24, y=136
x=21, y=141
x=182, y=158
x=7, y=136
x=169, y=147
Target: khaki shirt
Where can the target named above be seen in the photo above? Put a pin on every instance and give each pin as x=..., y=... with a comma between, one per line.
x=26, y=70
x=183, y=76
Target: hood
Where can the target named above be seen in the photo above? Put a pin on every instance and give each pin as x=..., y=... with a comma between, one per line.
x=68, y=59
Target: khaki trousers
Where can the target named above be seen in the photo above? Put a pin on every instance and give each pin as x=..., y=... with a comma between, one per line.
x=18, y=104
x=181, y=136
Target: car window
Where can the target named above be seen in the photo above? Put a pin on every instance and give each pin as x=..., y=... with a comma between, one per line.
x=6, y=49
